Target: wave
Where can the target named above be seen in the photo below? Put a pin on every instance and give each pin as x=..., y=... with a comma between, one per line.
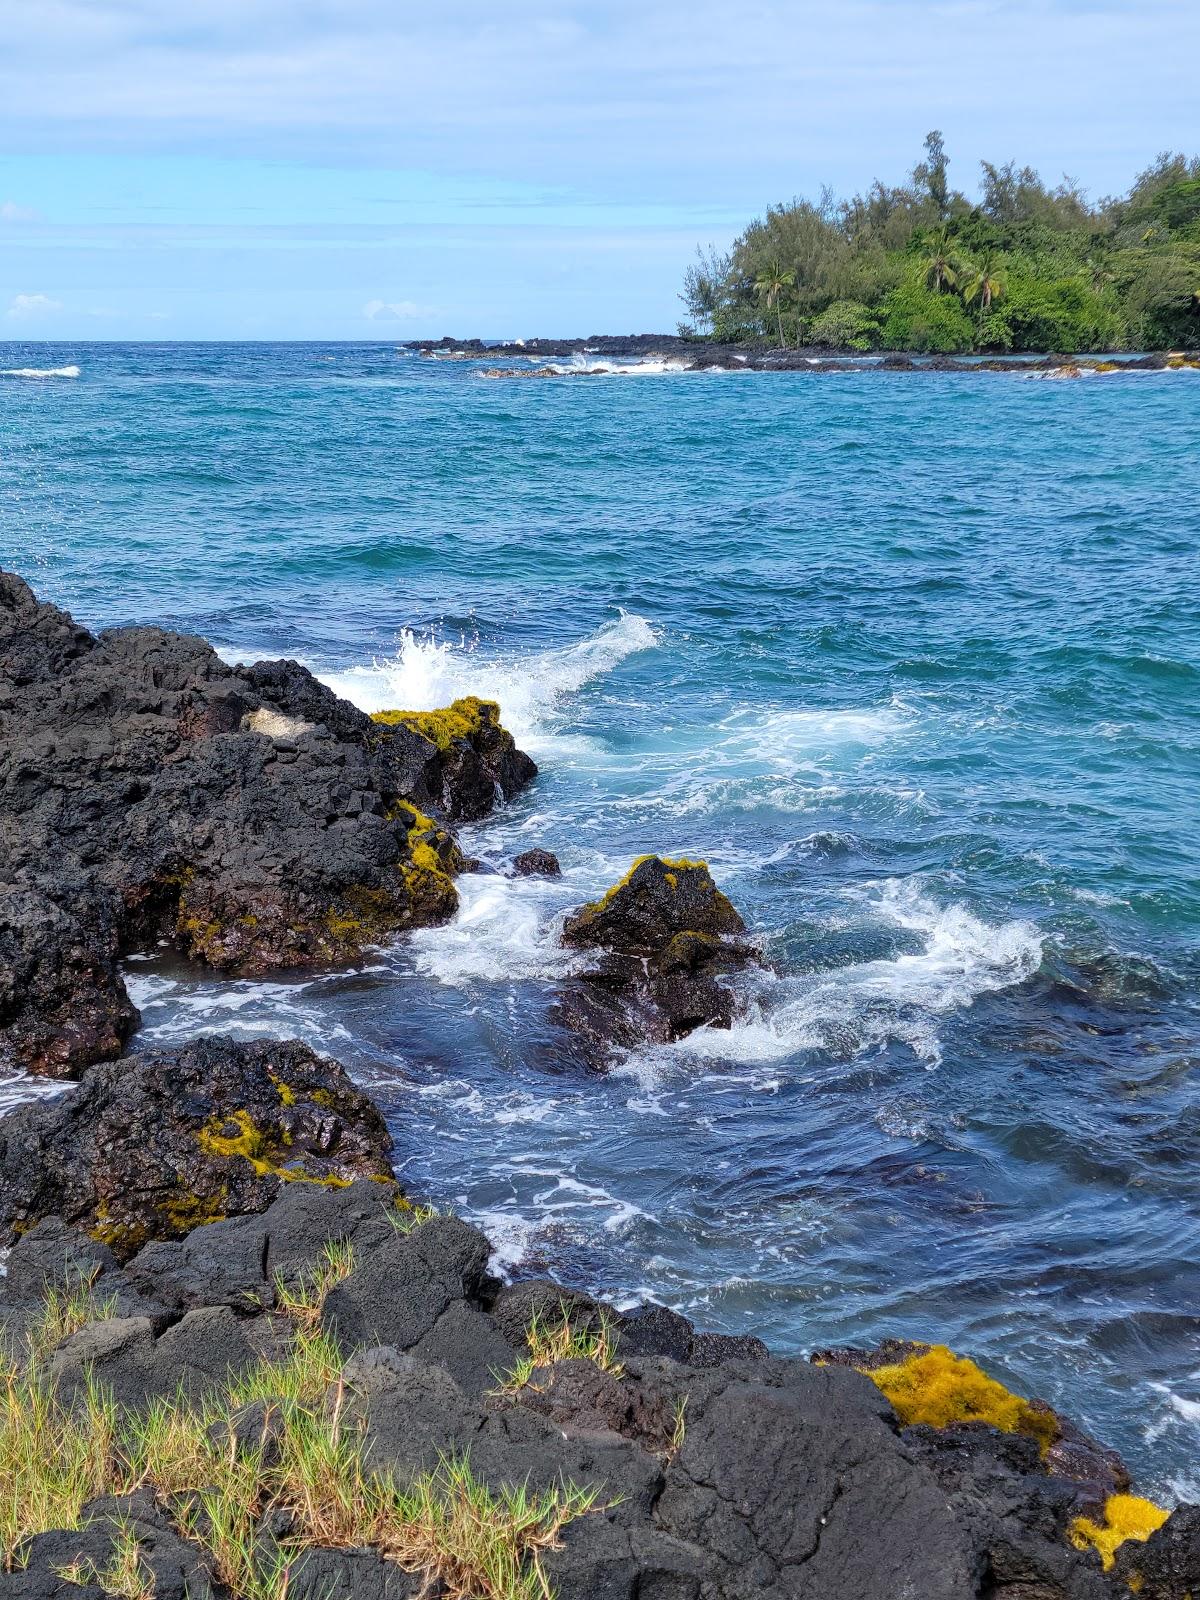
x=898, y=999
x=504, y=931
x=39, y=372
x=19, y=1090
x=426, y=674
x=650, y=367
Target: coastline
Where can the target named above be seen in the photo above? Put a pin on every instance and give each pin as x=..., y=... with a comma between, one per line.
x=205, y=1232
x=696, y=355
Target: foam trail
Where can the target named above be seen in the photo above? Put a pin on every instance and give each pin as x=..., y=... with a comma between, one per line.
x=504, y=931
x=426, y=674
x=39, y=372
x=901, y=998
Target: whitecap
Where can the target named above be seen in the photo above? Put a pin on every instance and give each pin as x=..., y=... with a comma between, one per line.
x=899, y=998
x=646, y=367
x=426, y=673
x=39, y=372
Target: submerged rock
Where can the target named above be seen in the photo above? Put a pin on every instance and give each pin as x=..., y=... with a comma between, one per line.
x=151, y=793
x=149, y=1147
x=537, y=863
x=666, y=937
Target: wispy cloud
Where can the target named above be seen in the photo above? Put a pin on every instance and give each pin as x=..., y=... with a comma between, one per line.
x=394, y=311
x=10, y=211
x=25, y=307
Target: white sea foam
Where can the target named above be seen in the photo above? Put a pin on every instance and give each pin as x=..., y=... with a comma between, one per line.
x=426, y=673
x=504, y=930
x=18, y=1090
x=39, y=372
x=901, y=998
x=648, y=367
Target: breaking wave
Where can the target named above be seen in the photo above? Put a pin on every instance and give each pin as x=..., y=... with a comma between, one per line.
x=871, y=1003
x=39, y=372
x=426, y=673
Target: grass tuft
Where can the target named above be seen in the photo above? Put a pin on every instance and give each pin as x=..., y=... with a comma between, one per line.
x=124, y=1575
x=560, y=1338
x=304, y=1299
x=273, y=1440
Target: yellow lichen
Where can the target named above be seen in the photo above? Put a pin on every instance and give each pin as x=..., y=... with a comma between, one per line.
x=287, y=1095
x=674, y=865
x=938, y=1388
x=187, y=1211
x=1126, y=1516
x=460, y=720
x=252, y=1145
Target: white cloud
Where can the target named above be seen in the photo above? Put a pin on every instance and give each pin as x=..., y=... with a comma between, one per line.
x=22, y=306
x=11, y=212
x=393, y=310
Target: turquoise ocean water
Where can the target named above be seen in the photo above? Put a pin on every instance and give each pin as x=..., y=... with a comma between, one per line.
x=913, y=661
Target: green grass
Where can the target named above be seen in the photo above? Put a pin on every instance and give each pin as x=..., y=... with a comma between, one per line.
x=308, y=1460
x=562, y=1338
x=408, y=1218
x=304, y=1298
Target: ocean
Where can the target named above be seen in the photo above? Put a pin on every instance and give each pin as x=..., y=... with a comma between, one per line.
x=913, y=661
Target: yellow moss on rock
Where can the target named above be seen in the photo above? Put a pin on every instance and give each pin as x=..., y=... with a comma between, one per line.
x=460, y=720
x=253, y=1145
x=938, y=1388
x=673, y=864
x=1126, y=1516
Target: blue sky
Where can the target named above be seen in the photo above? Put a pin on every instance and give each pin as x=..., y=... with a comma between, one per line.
x=349, y=169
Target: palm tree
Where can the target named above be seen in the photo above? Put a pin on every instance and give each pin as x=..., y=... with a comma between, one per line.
x=985, y=285
x=769, y=286
x=943, y=264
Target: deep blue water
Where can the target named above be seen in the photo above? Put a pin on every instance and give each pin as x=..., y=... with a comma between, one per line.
x=914, y=662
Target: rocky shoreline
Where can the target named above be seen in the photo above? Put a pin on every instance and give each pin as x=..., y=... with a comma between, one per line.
x=702, y=355
x=240, y=1362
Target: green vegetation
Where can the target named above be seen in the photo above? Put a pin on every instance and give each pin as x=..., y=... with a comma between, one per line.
x=304, y=1457
x=922, y=267
x=562, y=1338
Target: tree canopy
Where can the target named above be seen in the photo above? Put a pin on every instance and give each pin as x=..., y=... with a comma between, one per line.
x=921, y=266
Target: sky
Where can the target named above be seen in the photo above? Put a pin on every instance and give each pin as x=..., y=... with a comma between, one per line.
x=379, y=169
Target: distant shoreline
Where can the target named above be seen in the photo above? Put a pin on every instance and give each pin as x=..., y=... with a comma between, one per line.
x=701, y=355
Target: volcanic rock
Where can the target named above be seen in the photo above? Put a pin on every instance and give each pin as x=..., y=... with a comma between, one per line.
x=150, y=793
x=537, y=863
x=762, y=1479
x=148, y=1147
x=666, y=936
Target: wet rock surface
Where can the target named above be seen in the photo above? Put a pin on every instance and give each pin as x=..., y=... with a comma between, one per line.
x=752, y=1478
x=151, y=793
x=536, y=863
x=661, y=941
x=147, y=1147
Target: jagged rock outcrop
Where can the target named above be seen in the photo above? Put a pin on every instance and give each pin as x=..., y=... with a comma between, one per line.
x=664, y=938
x=151, y=793
x=148, y=1147
x=474, y=758
x=753, y=1478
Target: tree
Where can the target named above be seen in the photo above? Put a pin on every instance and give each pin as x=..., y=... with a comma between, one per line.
x=930, y=174
x=769, y=287
x=942, y=263
x=983, y=284
x=704, y=287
